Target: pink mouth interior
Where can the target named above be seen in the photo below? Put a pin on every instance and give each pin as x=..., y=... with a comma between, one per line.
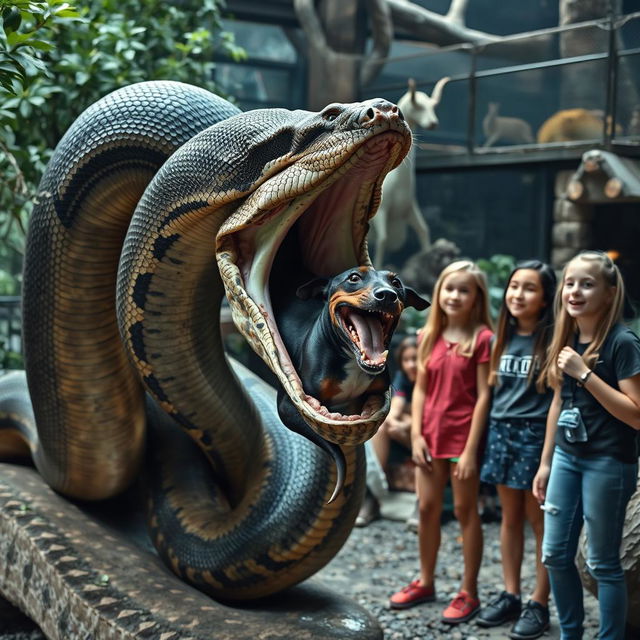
x=367, y=332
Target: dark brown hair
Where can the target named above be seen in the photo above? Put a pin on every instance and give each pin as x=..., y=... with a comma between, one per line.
x=507, y=324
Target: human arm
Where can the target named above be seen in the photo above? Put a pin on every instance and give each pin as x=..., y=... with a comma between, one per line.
x=542, y=475
x=468, y=463
x=419, y=449
x=399, y=420
x=623, y=404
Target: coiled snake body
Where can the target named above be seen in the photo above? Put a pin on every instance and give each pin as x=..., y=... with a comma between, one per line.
x=219, y=198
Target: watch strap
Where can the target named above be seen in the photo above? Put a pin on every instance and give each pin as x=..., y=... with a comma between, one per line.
x=585, y=376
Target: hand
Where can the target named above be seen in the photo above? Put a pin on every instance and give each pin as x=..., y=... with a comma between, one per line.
x=420, y=453
x=400, y=430
x=467, y=466
x=540, y=482
x=571, y=363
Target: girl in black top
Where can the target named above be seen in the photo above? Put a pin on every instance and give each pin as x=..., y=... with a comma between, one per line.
x=594, y=368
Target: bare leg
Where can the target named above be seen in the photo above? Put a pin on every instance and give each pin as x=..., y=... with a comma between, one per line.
x=465, y=501
x=535, y=516
x=430, y=486
x=512, y=536
x=381, y=443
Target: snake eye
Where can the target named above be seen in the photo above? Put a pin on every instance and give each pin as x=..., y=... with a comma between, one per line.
x=331, y=114
x=354, y=277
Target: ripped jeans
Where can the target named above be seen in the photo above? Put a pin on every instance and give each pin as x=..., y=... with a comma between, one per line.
x=596, y=491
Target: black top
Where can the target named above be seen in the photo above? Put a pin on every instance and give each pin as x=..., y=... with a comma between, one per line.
x=619, y=359
x=513, y=396
x=402, y=386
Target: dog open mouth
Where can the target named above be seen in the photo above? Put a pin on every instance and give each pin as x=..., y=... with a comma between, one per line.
x=368, y=334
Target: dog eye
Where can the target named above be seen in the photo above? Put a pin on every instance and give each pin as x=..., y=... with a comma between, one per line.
x=354, y=277
x=395, y=282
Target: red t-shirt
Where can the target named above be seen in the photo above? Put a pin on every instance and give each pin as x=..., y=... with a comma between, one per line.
x=451, y=395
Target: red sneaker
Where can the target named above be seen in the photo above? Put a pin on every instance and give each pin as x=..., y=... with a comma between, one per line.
x=414, y=593
x=462, y=608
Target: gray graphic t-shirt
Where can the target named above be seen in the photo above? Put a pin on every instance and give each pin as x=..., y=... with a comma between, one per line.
x=513, y=396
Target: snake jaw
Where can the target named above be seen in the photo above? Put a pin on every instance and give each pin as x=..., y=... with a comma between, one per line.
x=331, y=198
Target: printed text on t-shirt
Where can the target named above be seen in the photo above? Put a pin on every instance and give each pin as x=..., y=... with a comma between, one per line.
x=515, y=366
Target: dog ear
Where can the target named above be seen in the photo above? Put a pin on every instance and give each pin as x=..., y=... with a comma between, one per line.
x=412, y=299
x=315, y=289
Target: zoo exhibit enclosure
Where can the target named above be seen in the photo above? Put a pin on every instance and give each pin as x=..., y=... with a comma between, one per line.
x=514, y=121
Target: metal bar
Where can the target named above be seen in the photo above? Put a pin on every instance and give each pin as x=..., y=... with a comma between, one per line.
x=471, y=113
x=609, y=124
x=628, y=52
x=512, y=38
x=532, y=66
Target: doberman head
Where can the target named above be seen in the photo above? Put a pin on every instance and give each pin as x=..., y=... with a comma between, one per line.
x=339, y=346
x=361, y=310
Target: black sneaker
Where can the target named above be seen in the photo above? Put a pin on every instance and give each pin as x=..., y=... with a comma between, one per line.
x=504, y=608
x=532, y=623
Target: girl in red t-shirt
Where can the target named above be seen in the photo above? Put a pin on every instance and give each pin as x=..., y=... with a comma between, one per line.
x=449, y=410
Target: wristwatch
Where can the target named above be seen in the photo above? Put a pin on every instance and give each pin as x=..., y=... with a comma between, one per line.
x=585, y=376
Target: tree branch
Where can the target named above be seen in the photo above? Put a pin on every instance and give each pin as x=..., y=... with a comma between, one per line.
x=434, y=27
x=382, y=34
x=457, y=12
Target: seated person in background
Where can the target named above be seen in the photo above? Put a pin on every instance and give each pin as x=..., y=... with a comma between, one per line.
x=396, y=428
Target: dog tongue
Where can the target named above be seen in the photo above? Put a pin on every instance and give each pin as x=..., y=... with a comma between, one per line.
x=369, y=331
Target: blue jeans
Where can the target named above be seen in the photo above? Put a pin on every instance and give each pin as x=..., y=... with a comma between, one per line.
x=596, y=491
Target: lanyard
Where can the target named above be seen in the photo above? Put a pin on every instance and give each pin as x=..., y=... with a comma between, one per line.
x=574, y=382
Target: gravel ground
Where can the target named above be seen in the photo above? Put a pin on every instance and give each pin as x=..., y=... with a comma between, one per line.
x=381, y=558
x=374, y=563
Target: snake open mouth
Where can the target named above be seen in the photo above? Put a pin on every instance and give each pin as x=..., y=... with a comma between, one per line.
x=316, y=226
x=369, y=334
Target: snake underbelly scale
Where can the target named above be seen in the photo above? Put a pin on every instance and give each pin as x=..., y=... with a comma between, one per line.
x=158, y=201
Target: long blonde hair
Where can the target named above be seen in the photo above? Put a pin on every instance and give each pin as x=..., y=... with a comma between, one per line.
x=437, y=319
x=566, y=327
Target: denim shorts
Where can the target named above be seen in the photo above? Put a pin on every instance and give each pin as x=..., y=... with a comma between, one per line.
x=512, y=454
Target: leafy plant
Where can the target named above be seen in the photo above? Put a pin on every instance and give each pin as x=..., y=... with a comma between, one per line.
x=411, y=321
x=25, y=25
x=55, y=60
x=497, y=269
x=9, y=359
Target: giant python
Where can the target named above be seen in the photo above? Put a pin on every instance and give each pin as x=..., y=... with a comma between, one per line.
x=160, y=199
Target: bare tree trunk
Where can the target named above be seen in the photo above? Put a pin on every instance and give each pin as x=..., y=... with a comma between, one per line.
x=337, y=33
x=578, y=89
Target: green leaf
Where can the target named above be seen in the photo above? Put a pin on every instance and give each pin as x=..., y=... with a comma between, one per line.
x=11, y=19
x=41, y=45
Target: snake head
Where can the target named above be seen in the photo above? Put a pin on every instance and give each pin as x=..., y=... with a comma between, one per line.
x=306, y=215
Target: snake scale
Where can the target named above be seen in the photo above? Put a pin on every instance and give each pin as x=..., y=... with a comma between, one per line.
x=160, y=199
